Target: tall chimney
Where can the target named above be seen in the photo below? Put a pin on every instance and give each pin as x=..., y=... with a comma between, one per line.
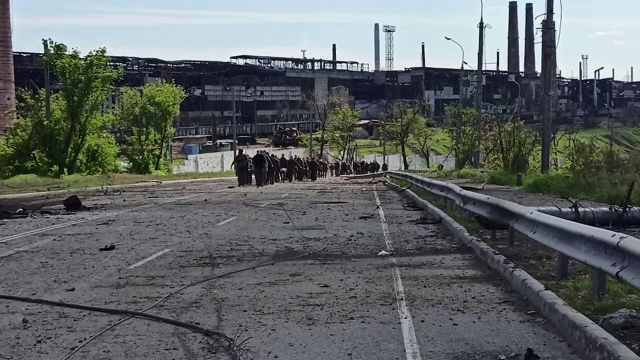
x=529, y=43
x=376, y=45
x=7, y=80
x=424, y=58
x=498, y=60
x=335, y=58
x=632, y=74
x=514, y=40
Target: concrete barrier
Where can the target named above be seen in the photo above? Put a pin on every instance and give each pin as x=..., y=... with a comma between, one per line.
x=221, y=161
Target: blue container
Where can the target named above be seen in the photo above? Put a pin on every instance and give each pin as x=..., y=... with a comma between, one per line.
x=192, y=149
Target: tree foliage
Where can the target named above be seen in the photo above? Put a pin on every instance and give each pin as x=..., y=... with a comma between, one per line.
x=55, y=145
x=401, y=122
x=150, y=114
x=340, y=129
x=509, y=145
x=423, y=139
x=461, y=126
x=324, y=107
x=85, y=84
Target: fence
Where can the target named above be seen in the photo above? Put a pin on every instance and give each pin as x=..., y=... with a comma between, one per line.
x=607, y=252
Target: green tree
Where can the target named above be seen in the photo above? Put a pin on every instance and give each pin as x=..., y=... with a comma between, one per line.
x=340, y=129
x=423, y=139
x=150, y=115
x=402, y=121
x=85, y=84
x=510, y=145
x=324, y=107
x=461, y=126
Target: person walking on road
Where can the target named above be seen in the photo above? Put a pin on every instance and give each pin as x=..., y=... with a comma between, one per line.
x=313, y=169
x=241, y=167
x=259, y=162
x=291, y=168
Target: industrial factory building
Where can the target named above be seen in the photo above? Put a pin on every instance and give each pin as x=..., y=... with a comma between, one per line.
x=269, y=90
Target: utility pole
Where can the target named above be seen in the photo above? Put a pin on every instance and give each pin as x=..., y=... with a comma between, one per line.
x=476, y=156
x=549, y=83
x=235, y=129
x=47, y=85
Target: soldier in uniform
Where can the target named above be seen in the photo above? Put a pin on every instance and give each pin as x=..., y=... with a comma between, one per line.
x=241, y=167
x=313, y=169
x=249, y=174
x=270, y=168
x=283, y=164
x=259, y=163
x=291, y=168
x=276, y=168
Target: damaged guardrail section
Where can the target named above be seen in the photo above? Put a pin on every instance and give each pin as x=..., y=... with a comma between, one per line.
x=607, y=252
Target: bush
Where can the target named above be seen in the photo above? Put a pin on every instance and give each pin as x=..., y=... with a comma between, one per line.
x=99, y=156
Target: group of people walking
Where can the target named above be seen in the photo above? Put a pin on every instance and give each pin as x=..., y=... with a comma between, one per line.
x=268, y=169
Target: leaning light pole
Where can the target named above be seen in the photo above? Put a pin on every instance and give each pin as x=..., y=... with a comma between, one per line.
x=476, y=155
x=461, y=68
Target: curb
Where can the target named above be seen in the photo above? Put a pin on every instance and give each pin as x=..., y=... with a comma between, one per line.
x=149, y=183
x=363, y=176
x=591, y=340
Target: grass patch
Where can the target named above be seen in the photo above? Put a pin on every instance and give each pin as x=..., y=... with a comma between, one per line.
x=608, y=189
x=579, y=294
x=32, y=183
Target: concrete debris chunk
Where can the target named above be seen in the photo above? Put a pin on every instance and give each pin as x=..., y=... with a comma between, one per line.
x=623, y=319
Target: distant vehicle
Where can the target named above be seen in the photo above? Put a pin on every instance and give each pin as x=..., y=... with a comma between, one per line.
x=286, y=137
x=246, y=140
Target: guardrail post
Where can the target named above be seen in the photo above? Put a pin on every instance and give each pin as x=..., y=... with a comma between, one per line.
x=512, y=237
x=563, y=266
x=599, y=280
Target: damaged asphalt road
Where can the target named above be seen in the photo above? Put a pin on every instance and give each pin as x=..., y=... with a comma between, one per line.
x=338, y=303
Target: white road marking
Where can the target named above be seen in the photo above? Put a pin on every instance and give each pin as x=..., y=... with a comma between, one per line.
x=226, y=221
x=91, y=218
x=408, y=333
x=149, y=259
x=265, y=204
x=285, y=195
x=25, y=248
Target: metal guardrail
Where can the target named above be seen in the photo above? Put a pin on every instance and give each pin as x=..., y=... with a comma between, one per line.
x=607, y=252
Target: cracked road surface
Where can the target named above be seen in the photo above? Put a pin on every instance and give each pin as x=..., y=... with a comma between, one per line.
x=430, y=299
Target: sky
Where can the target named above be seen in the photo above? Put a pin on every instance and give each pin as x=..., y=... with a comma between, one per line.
x=217, y=30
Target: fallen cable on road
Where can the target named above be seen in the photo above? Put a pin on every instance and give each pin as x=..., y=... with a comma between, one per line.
x=164, y=298
x=231, y=347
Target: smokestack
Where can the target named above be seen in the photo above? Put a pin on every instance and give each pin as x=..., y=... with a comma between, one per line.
x=335, y=57
x=580, y=87
x=376, y=45
x=424, y=59
x=498, y=60
x=632, y=74
x=529, y=43
x=613, y=74
x=7, y=80
x=514, y=40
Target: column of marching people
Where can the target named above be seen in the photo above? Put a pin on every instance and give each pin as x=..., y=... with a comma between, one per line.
x=268, y=169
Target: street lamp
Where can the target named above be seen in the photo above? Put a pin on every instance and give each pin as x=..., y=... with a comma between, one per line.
x=461, y=67
x=476, y=156
x=512, y=78
x=596, y=76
